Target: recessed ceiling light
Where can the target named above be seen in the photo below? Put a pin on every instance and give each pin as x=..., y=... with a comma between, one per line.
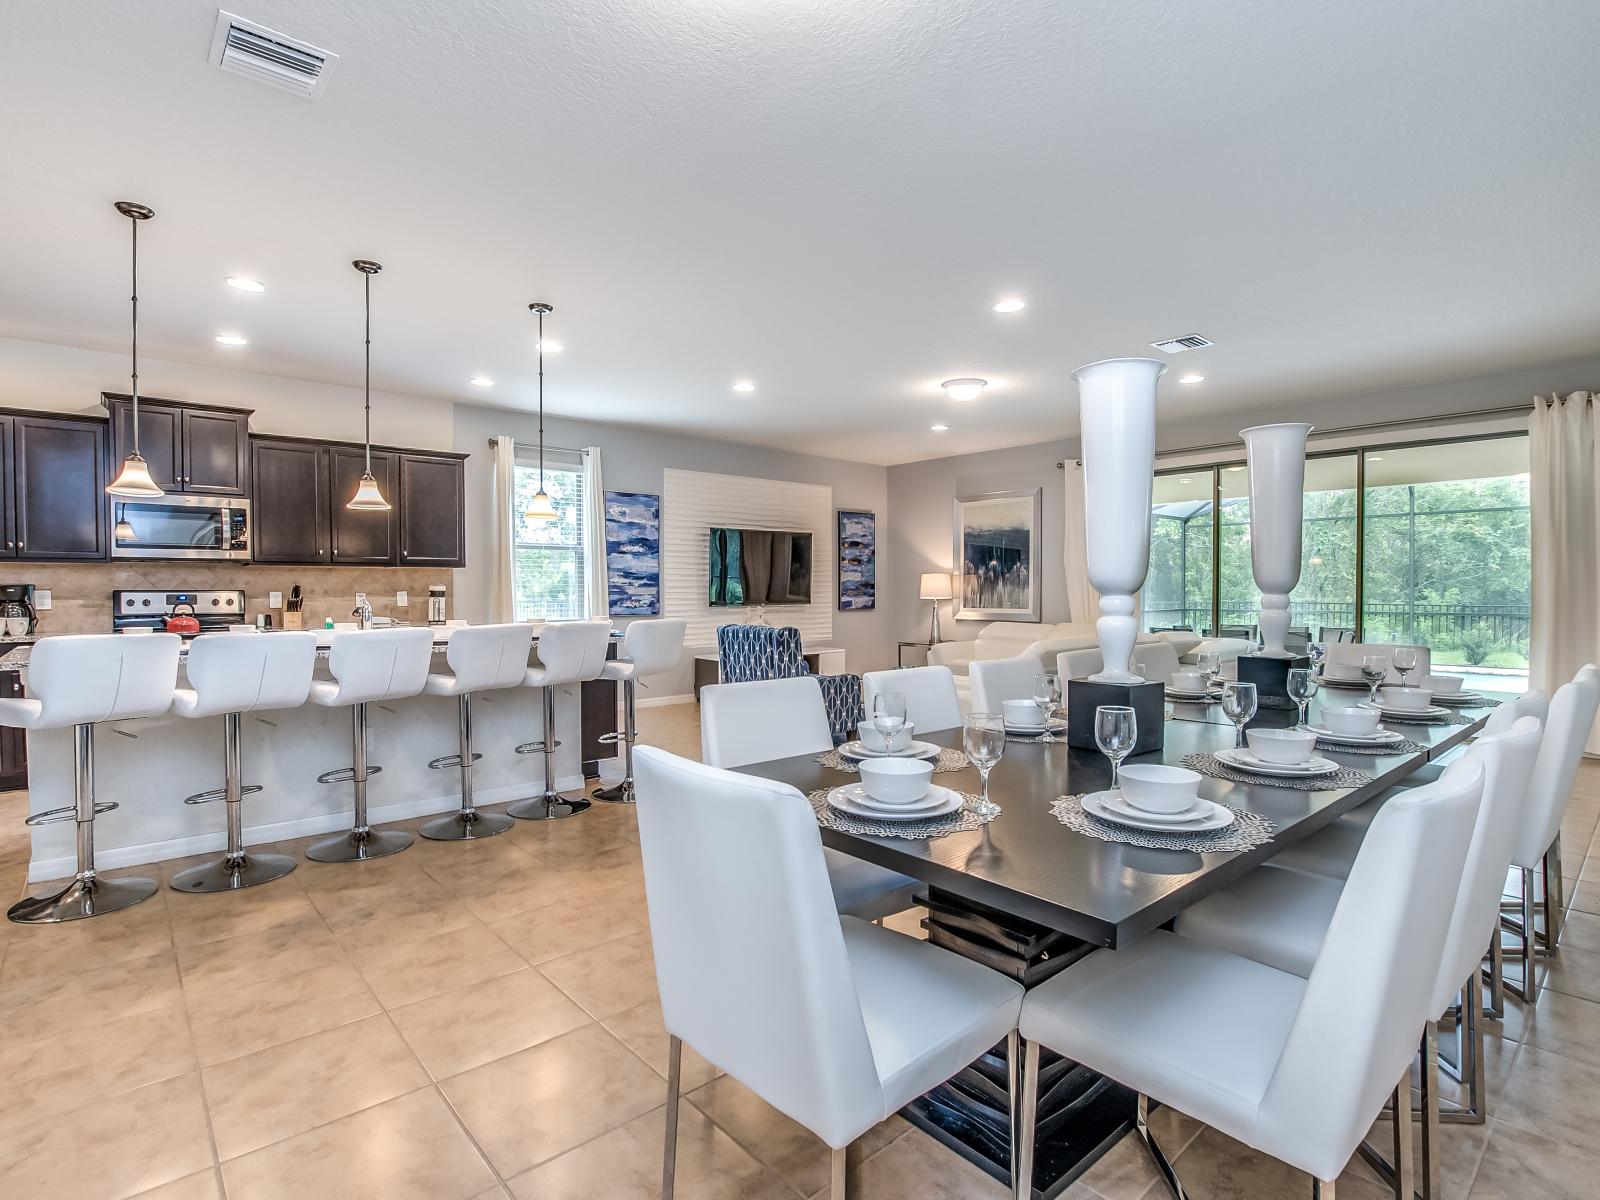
x=940, y=428
x=481, y=381
x=548, y=346
x=1374, y=458
x=246, y=285
x=1191, y=379
x=962, y=390
x=1010, y=304
x=231, y=339
x=744, y=385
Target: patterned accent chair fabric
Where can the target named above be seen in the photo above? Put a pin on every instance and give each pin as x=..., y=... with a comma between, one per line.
x=753, y=652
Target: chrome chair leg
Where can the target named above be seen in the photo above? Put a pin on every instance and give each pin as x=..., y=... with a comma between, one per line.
x=1432, y=1186
x=362, y=842
x=1014, y=1092
x=1405, y=1173
x=622, y=793
x=1322, y=1189
x=551, y=805
x=467, y=823
x=236, y=868
x=669, y=1152
x=1168, y=1173
x=838, y=1173
x=87, y=895
x=1550, y=872
x=1497, y=977
x=1027, y=1127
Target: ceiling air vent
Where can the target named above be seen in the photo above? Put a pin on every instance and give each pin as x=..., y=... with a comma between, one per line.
x=269, y=57
x=1178, y=345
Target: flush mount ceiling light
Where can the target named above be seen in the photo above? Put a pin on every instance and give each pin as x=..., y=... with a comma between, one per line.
x=1010, y=304
x=541, y=507
x=962, y=390
x=744, y=385
x=230, y=339
x=481, y=381
x=1191, y=379
x=368, y=497
x=241, y=284
x=134, y=477
x=940, y=428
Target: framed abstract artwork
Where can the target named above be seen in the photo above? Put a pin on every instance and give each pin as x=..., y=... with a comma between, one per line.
x=997, y=556
x=633, y=554
x=858, y=561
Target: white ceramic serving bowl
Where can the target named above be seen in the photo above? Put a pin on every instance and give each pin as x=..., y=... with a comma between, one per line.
x=873, y=740
x=1354, y=721
x=1405, y=699
x=1187, y=681
x=1158, y=789
x=1286, y=747
x=1024, y=714
x=896, y=780
x=1442, y=685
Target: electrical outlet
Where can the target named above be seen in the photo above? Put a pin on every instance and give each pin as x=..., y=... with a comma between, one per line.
x=274, y=599
x=400, y=600
x=41, y=598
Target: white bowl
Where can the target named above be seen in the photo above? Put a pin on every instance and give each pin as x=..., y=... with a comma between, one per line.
x=1187, y=681
x=1024, y=714
x=868, y=733
x=1159, y=789
x=1405, y=699
x=1354, y=721
x=1286, y=747
x=896, y=780
x=1442, y=685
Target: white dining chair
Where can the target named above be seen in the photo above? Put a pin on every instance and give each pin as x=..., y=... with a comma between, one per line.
x=834, y=1022
x=766, y=719
x=1296, y=1068
x=932, y=703
x=1345, y=660
x=996, y=680
x=1077, y=664
x=1281, y=917
x=1155, y=661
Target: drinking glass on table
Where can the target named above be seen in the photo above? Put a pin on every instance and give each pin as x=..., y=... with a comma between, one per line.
x=983, y=737
x=1405, y=662
x=1047, y=694
x=1210, y=665
x=889, y=715
x=1374, y=669
x=1316, y=652
x=1301, y=686
x=1116, y=728
x=1239, y=705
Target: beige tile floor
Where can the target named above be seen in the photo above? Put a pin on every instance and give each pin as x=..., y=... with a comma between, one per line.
x=466, y=1021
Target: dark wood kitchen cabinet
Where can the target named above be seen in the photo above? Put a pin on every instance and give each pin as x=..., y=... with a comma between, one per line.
x=53, y=495
x=433, y=523
x=195, y=448
x=13, y=742
x=361, y=538
x=290, y=508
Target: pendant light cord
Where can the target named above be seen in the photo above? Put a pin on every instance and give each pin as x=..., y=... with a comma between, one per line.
x=135, y=356
x=366, y=278
x=541, y=401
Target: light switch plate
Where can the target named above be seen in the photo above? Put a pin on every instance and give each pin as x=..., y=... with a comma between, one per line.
x=41, y=599
x=400, y=600
x=274, y=599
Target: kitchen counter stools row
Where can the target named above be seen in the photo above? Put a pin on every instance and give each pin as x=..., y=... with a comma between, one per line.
x=80, y=682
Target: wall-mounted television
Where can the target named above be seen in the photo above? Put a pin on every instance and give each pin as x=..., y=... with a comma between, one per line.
x=759, y=566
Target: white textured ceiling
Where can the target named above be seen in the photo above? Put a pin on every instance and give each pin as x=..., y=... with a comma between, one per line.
x=822, y=195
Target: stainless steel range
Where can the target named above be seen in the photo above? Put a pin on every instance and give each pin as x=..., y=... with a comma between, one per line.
x=150, y=610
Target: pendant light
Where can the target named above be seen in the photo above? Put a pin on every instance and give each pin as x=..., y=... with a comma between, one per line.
x=134, y=478
x=123, y=532
x=368, y=498
x=541, y=508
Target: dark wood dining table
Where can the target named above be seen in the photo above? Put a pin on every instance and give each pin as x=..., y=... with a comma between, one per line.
x=1028, y=896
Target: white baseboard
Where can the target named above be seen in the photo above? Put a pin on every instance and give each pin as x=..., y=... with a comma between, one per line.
x=663, y=701
x=280, y=831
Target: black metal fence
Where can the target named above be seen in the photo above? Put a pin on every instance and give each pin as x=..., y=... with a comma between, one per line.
x=1474, y=628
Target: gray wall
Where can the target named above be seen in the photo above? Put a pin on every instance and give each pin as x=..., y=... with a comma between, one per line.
x=632, y=460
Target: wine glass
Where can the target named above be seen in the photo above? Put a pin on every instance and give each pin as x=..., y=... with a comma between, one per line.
x=1316, y=652
x=888, y=716
x=1301, y=686
x=1239, y=705
x=1116, y=728
x=1374, y=669
x=983, y=736
x=1047, y=693
x=1405, y=661
x=1210, y=665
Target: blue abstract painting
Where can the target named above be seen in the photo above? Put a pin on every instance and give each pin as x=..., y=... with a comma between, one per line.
x=858, y=561
x=633, y=553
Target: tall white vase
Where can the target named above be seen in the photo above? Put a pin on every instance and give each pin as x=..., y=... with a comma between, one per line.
x=1277, y=455
x=1117, y=414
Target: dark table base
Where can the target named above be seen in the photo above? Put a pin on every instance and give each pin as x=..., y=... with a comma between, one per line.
x=1082, y=1114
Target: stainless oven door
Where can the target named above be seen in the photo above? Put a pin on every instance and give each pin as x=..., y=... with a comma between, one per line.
x=181, y=527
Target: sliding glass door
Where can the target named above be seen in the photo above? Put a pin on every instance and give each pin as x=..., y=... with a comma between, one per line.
x=1177, y=592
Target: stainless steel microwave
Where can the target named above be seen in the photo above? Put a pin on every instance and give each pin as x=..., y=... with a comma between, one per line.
x=178, y=526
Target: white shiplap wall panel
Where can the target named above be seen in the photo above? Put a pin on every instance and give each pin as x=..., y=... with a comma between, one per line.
x=693, y=502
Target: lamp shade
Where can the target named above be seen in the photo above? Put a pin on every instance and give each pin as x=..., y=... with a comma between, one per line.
x=134, y=479
x=541, y=507
x=936, y=586
x=368, y=498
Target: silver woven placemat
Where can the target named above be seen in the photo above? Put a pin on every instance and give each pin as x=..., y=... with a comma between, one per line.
x=948, y=761
x=1454, y=718
x=974, y=812
x=1248, y=830
x=1344, y=777
x=1403, y=746
x=1480, y=702
x=1036, y=739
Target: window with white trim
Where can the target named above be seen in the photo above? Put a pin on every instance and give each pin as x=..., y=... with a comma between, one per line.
x=550, y=557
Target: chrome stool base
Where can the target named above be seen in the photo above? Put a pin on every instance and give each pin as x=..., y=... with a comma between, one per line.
x=548, y=808
x=230, y=874
x=83, y=898
x=622, y=793
x=466, y=826
x=359, y=845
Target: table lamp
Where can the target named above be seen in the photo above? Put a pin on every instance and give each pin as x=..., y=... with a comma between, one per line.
x=935, y=587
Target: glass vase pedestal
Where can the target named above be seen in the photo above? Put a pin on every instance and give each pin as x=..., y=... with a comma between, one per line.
x=1271, y=677
x=1148, y=701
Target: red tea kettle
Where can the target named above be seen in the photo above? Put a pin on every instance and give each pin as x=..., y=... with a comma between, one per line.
x=182, y=622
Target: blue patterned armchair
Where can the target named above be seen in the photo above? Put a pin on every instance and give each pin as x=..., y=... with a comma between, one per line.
x=753, y=652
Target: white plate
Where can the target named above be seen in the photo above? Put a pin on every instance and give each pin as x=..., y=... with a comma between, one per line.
x=1056, y=725
x=1175, y=694
x=858, y=795
x=1118, y=802
x=1464, y=698
x=1382, y=738
x=856, y=751
x=1343, y=681
x=1416, y=714
x=1096, y=806
x=855, y=801
x=1243, y=760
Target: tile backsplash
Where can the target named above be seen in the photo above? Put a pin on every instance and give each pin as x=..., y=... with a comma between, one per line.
x=80, y=593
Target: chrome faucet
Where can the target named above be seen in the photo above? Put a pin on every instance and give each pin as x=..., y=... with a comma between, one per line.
x=362, y=611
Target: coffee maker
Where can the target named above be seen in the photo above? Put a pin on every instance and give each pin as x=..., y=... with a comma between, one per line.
x=18, y=617
x=436, y=604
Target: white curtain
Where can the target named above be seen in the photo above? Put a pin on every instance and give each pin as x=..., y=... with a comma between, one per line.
x=596, y=585
x=1083, y=602
x=1565, y=538
x=502, y=585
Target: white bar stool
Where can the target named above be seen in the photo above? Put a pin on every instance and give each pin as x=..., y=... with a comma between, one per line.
x=482, y=658
x=648, y=648
x=368, y=665
x=230, y=674
x=569, y=652
x=81, y=681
